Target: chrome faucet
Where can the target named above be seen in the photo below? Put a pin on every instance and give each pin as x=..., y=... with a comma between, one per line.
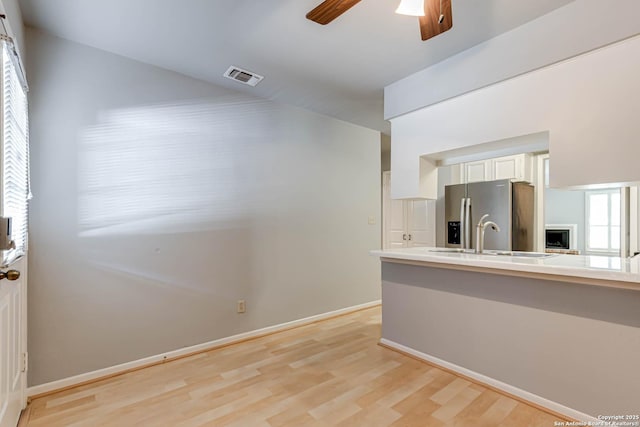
x=480, y=228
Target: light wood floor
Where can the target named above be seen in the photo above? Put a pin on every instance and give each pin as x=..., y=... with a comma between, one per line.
x=330, y=373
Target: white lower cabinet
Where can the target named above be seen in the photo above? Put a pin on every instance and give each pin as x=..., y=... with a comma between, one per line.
x=407, y=223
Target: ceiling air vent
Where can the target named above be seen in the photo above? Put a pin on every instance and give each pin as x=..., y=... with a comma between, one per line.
x=243, y=76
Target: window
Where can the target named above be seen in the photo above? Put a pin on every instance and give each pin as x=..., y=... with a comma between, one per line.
x=603, y=221
x=15, y=153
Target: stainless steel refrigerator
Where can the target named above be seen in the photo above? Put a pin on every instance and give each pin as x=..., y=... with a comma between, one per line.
x=509, y=204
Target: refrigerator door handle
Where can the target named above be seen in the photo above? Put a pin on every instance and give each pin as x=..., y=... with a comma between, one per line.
x=467, y=220
x=463, y=203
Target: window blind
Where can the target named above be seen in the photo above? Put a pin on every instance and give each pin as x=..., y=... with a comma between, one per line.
x=15, y=155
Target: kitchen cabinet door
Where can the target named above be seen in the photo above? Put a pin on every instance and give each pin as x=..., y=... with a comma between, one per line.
x=394, y=217
x=517, y=168
x=477, y=171
x=407, y=223
x=397, y=227
x=421, y=227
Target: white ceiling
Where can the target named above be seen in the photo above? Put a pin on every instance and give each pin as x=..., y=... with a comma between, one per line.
x=339, y=70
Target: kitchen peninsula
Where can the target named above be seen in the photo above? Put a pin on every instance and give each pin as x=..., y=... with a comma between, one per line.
x=560, y=331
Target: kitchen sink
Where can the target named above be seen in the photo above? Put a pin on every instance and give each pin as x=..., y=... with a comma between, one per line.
x=494, y=253
x=520, y=254
x=452, y=250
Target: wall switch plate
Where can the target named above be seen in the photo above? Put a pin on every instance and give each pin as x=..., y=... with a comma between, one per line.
x=372, y=220
x=241, y=306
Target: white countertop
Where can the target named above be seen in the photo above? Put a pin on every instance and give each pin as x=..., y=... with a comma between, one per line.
x=603, y=270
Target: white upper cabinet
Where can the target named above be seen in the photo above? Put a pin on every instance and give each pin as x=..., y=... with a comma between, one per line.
x=517, y=168
x=477, y=171
x=512, y=167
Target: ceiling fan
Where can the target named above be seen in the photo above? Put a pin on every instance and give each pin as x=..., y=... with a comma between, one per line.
x=434, y=15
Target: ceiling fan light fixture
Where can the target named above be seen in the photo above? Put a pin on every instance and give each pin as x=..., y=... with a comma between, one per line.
x=411, y=7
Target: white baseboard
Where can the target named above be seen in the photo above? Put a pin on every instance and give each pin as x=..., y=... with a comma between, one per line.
x=507, y=388
x=152, y=360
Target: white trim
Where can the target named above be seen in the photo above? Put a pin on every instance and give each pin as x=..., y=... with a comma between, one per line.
x=386, y=202
x=540, y=188
x=634, y=216
x=507, y=388
x=625, y=222
x=211, y=345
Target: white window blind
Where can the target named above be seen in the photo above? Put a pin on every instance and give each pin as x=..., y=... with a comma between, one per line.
x=15, y=154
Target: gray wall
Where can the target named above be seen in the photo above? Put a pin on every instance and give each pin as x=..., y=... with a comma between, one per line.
x=159, y=201
x=566, y=207
x=552, y=339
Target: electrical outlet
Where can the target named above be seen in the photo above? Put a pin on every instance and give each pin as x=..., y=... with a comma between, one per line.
x=241, y=306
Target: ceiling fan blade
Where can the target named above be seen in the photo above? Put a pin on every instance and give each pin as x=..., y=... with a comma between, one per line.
x=329, y=10
x=429, y=24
